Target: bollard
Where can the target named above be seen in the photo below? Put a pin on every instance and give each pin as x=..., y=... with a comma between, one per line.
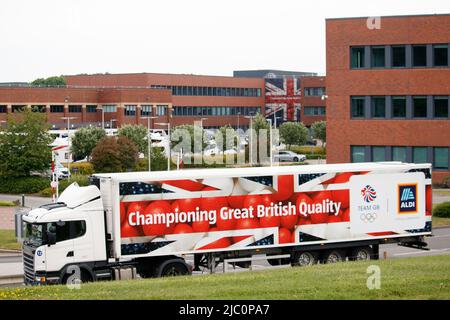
x=23, y=200
x=384, y=255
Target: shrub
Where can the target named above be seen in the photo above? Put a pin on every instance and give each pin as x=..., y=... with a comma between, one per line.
x=31, y=184
x=114, y=154
x=307, y=150
x=83, y=168
x=442, y=210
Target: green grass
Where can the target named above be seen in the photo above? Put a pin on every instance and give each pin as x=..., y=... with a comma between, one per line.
x=8, y=240
x=441, y=222
x=410, y=278
x=7, y=204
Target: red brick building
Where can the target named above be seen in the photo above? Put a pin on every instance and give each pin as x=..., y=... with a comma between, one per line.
x=388, y=87
x=313, y=102
x=218, y=100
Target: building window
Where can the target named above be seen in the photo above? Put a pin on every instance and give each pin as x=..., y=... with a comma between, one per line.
x=378, y=154
x=161, y=110
x=36, y=108
x=440, y=53
x=378, y=55
x=91, y=108
x=75, y=109
x=146, y=110
x=419, y=107
x=314, y=111
x=18, y=108
x=420, y=56
x=358, y=154
x=399, y=56
x=316, y=92
x=378, y=107
x=130, y=110
x=399, y=154
x=440, y=106
x=358, y=107
x=3, y=109
x=420, y=154
x=357, y=57
x=109, y=108
x=56, y=109
x=440, y=158
x=398, y=107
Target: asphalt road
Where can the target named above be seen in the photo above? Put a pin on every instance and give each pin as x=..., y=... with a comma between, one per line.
x=30, y=201
x=439, y=243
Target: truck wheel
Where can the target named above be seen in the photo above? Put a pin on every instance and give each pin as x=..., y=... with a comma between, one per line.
x=174, y=269
x=84, y=277
x=333, y=256
x=361, y=254
x=304, y=258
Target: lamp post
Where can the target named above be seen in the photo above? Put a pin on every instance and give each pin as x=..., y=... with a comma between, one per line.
x=168, y=142
x=250, y=149
x=103, y=117
x=68, y=138
x=149, y=141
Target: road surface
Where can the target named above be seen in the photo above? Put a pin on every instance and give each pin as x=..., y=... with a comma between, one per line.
x=30, y=201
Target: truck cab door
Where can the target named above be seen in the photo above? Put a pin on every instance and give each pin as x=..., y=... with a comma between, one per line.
x=62, y=252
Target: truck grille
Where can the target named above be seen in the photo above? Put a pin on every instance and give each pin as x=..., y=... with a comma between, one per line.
x=28, y=265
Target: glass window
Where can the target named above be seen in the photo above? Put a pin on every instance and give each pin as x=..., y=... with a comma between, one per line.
x=420, y=56
x=56, y=109
x=3, y=109
x=378, y=107
x=440, y=107
x=357, y=57
x=399, y=56
x=146, y=110
x=67, y=230
x=399, y=154
x=161, y=110
x=358, y=154
x=378, y=154
x=18, y=108
x=440, y=53
x=419, y=107
x=398, y=107
x=74, y=109
x=109, y=108
x=130, y=110
x=378, y=57
x=440, y=158
x=420, y=154
x=91, y=108
x=37, y=108
x=357, y=107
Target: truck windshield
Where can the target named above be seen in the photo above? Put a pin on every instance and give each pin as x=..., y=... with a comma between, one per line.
x=35, y=234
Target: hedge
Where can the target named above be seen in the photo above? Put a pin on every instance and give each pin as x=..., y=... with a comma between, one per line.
x=84, y=168
x=442, y=210
x=32, y=184
x=307, y=150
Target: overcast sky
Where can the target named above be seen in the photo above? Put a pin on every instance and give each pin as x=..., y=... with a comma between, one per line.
x=53, y=37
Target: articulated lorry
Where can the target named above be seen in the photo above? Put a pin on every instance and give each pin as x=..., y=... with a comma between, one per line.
x=153, y=224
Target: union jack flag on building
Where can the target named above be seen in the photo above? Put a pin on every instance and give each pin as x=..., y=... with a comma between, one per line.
x=283, y=98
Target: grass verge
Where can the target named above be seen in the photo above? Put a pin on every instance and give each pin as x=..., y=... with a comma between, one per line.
x=7, y=204
x=441, y=222
x=410, y=278
x=8, y=240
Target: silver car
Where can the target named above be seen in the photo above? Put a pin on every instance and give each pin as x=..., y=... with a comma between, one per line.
x=289, y=156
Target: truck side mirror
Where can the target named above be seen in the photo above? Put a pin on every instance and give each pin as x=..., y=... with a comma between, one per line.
x=51, y=238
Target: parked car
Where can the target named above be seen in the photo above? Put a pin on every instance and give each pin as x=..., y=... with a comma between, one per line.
x=289, y=156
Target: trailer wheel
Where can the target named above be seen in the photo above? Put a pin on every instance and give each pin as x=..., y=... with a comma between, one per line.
x=333, y=256
x=361, y=254
x=174, y=269
x=304, y=258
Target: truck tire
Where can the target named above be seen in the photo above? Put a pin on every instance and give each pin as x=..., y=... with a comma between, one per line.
x=84, y=277
x=333, y=256
x=304, y=258
x=361, y=254
x=173, y=268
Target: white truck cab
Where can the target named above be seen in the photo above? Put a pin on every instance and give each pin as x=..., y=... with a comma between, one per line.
x=60, y=234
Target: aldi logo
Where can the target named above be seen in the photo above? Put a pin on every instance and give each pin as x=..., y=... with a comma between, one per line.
x=407, y=194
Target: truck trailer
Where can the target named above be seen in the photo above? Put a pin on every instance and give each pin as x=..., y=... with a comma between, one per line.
x=148, y=224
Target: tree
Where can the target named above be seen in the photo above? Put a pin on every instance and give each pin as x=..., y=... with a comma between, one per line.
x=137, y=134
x=25, y=145
x=226, y=134
x=188, y=136
x=293, y=133
x=114, y=154
x=159, y=160
x=49, y=82
x=85, y=140
x=319, y=130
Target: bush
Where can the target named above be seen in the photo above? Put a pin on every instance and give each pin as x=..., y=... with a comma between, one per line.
x=82, y=168
x=442, y=210
x=114, y=154
x=23, y=184
x=307, y=150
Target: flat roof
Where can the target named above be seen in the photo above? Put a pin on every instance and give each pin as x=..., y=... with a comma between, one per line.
x=393, y=16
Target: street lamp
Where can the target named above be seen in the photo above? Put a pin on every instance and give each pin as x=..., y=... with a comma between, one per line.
x=168, y=143
x=149, y=141
x=68, y=138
